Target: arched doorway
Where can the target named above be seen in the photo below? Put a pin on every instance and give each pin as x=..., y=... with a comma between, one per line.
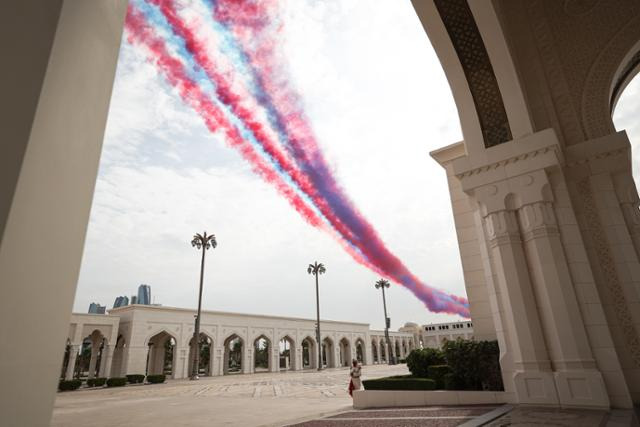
x=65, y=359
x=261, y=354
x=360, y=353
x=383, y=351
x=286, y=350
x=396, y=348
x=374, y=351
x=89, y=361
x=204, y=363
x=309, y=354
x=161, y=354
x=328, y=354
x=233, y=355
x=345, y=352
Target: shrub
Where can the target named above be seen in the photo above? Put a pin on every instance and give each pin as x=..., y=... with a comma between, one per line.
x=67, y=385
x=135, y=378
x=475, y=365
x=402, y=360
x=116, y=382
x=156, y=379
x=420, y=359
x=450, y=382
x=403, y=382
x=437, y=373
x=99, y=382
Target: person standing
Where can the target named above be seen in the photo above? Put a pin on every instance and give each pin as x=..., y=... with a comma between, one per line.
x=355, y=373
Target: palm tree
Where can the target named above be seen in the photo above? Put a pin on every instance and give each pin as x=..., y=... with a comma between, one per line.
x=317, y=269
x=381, y=284
x=202, y=242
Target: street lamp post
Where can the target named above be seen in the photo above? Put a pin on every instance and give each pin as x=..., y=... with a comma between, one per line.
x=381, y=284
x=317, y=269
x=202, y=242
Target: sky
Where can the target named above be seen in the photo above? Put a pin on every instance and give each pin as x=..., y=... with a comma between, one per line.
x=378, y=100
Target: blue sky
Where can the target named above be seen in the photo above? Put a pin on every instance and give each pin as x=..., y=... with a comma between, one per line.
x=379, y=103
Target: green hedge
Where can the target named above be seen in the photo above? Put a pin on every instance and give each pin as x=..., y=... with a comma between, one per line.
x=475, y=365
x=116, y=382
x=96, y=382
x=156, y=379
x=420, y=359
x=402, y=382
x=135, y=378
x=437, y=373
x=67, y=385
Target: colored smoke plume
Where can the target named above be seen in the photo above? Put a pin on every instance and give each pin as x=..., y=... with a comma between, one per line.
x=224, y=62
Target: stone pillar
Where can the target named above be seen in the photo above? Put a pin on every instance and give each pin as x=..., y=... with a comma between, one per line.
x=73, y=356
x=105, y=362
x=577, y=380
x=533, y=378
x=95, y=348
x=59, y=61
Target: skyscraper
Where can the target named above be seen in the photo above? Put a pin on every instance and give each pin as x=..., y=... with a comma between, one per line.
x=144, y=294
x=134, y=299
x=121, y=301
x=95, y=308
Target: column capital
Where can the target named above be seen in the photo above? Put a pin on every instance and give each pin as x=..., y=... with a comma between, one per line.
x=537, y=220
x=502, y=228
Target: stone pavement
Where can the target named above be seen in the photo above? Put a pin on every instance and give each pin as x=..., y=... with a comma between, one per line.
x=405, y=417
x=232, y=400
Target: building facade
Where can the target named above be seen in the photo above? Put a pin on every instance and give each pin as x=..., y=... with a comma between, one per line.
x=434, y=335
x=144, y=295
x=146, y=339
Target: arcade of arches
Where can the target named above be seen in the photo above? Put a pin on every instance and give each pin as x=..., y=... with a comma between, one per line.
x=159, y=340
x=545, y=207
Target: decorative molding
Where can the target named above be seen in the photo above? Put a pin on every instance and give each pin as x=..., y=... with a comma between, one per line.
x=558, y=87
x=483, y=85
x=504, y=162
x=537, y=220
x=608, y=269
x=596, y=93
x=624, y=77
x=502, y=228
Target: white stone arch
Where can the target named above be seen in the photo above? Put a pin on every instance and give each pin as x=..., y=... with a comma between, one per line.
x=268, y=354
x=328, y=352
x=206, y=342
x=234, y=362
x=360, y=350
x=162, y=345
x=309, y=353
x=344, y=352
x=287, y=362
x=375, y=353
x=384, y=350
x=501, y=62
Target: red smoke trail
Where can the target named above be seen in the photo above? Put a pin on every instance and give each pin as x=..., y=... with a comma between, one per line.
x=250, y=23
x=196, y=45
x=141, y=33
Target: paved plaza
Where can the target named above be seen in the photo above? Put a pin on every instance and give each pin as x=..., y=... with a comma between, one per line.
x=231, y=400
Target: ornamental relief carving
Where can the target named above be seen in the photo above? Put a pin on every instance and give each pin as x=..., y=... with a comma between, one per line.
x=537, y=220
x=609, y=272
x=502, y=228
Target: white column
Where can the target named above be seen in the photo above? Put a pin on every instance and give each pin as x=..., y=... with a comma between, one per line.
x=562, y=322
x=533, y=378
x=105, y=363
x=95, y=348
x=73, y=356
x=58, y=73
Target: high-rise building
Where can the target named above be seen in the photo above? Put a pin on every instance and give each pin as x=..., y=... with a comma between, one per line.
x=144, y=294
x=134, y=299
x=121, y=301
x=95, y=308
